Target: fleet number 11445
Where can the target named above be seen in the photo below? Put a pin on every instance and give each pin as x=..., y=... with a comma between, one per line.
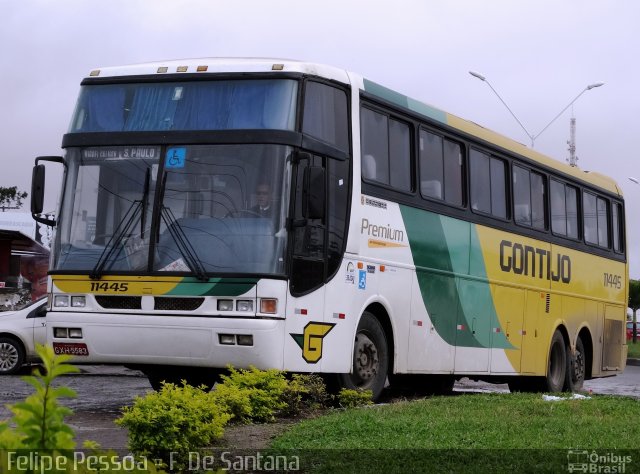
x=106, y=286
x=613, y=281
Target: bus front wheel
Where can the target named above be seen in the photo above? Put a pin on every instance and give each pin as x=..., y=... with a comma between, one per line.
x=370, y=358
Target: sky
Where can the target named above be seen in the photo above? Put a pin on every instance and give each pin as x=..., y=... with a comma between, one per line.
x=537, y=54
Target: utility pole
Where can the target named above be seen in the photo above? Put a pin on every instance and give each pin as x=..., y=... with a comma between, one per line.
x=573, y=159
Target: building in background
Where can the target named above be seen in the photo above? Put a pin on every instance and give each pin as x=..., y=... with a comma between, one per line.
x=24, y=262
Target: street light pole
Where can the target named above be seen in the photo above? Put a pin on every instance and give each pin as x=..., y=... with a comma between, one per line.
x=635, y=320
x=531, y=136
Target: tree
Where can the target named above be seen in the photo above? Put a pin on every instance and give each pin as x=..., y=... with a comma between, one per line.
x=11, y=198
x=634, y=303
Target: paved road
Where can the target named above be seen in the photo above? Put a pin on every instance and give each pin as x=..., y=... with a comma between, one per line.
x=102, y=391
x=627, y=384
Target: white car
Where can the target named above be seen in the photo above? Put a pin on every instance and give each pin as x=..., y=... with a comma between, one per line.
x=19, y=332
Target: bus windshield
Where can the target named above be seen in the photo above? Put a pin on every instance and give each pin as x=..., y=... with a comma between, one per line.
x=199, y=209
x=189, y=105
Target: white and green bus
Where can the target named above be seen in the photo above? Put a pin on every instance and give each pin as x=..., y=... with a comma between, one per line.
x=290, y=215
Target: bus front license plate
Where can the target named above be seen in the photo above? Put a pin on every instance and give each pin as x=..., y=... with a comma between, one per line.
x=71, y=348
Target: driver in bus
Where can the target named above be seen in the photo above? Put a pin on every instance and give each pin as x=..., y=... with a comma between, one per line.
x=264, y=207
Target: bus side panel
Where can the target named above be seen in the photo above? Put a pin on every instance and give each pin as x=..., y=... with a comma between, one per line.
x=533, y=356
x=428, y=349
x=359, y=284
x=506, y=361
x=306, y=334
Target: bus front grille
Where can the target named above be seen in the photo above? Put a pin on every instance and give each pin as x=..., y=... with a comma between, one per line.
x=177, y=304
x=119, y=302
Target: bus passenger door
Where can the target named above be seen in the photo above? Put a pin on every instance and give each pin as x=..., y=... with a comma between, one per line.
x=305, y=307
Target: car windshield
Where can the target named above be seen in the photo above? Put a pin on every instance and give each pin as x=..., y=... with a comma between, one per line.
x=205, y=209
x=17, y=302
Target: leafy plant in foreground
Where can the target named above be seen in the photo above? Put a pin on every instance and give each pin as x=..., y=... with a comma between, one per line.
x=39, y=420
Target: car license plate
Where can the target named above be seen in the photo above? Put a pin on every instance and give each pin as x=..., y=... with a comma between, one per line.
x=71, y=348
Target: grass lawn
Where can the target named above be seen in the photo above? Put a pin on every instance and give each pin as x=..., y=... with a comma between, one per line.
x=470, y=432
x=633, y=349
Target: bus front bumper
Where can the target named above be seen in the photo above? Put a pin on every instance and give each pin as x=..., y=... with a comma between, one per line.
x=161, y=340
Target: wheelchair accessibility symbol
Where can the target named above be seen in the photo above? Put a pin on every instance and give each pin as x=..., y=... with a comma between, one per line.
x=175, y=158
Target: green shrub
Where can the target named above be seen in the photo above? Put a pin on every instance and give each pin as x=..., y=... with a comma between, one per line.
x=305, y=392
x=236, y=401
x=348, y=398
x=263, y=389
x=177, y=419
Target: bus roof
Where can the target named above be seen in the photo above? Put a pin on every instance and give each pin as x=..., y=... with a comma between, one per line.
x=257, y=65
x=223, y=65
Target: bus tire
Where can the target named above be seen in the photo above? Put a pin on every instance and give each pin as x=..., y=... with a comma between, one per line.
x=577, y=366
x=558, y=367
x=370, y=358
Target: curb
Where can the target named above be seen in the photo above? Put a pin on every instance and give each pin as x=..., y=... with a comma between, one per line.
x=634, y=362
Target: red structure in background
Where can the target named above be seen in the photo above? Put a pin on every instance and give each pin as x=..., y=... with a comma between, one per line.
x=23, y=265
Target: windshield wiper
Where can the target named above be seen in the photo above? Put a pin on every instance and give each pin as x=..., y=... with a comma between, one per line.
x=111, y=246
x=184, y=245
x=123, y=228
x=180, y=238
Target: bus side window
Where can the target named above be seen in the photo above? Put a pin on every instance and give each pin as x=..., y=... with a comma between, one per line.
x=617, y=228
x=369, y=167
x=590, y=219
x=440, y=168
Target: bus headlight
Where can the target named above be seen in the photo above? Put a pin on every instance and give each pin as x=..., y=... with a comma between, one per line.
x=60, y=332
x=225, y=305
x=78, y=301
x=61, y=301
x=244, y=306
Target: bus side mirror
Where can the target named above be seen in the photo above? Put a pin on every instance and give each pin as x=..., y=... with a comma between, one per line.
x=315, y=192
x=37, y=189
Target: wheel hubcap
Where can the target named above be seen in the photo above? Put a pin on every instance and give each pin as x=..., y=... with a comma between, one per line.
x=366, y=359
x=579, y=368
x=8, y=356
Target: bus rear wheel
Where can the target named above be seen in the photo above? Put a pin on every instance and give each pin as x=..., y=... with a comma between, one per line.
x=558, y=364
x=578, y=368
x=370, y=358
